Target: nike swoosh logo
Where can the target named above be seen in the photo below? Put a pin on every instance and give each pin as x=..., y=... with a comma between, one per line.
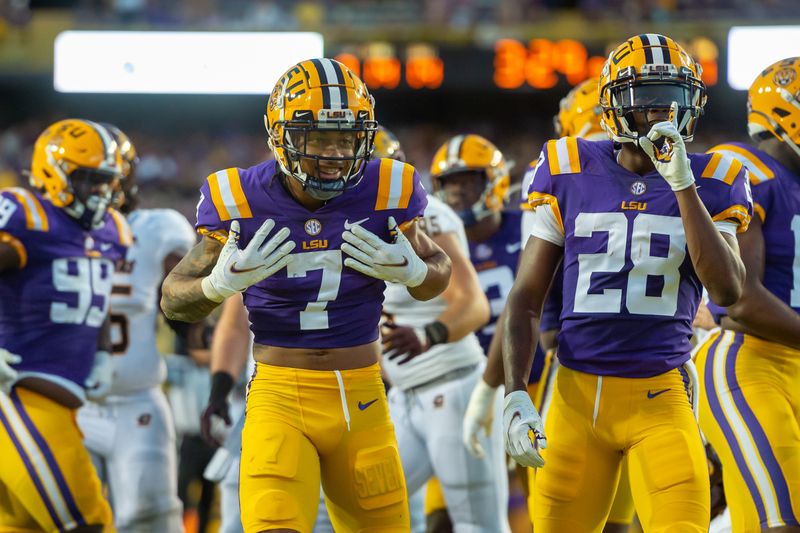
x=513, y=248
x=651, y=395
x=348, y=224
x=235, y=270
x=105, y=247
x=363, y=406
x=404, y=263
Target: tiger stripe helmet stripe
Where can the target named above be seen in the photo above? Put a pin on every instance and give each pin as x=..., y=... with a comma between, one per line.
x=35, y=216
x=759, y=172
x=395, y=185
x=563, y=156
x=228, y=196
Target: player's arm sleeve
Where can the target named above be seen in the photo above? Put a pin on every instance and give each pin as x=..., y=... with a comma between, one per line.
x=209, y=221
x=735, y=209
x=545, y=220
x=14, y=222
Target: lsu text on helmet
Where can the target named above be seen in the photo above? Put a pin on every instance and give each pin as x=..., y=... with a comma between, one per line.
x=321, y=95
x=76, y=164
x=649, y=72
x=473, y=153
x=579, y=113
x=773, y=103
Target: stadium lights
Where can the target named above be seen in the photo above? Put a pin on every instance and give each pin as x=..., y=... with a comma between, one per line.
x=752, y=48
x=177, y=62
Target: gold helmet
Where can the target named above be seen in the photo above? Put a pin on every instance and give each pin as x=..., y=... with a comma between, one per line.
x=320, y=95
x=465, y=153
x=579, y=113
x=76, y=164
x=126, y=193
x=646, y=72
x=387, y=146
x=773, y=103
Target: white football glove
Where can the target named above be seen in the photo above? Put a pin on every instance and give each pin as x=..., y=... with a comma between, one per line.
x=671, y=160
x=7, y=374
x=98, y=384
x=523, y=426
x=236, y=269
x=396, y=262
x=478, y=416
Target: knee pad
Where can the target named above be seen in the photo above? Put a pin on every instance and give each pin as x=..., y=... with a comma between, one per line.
x=378, y=477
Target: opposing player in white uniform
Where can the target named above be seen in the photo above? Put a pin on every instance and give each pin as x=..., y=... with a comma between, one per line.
x=433, y=360
x=131, y=435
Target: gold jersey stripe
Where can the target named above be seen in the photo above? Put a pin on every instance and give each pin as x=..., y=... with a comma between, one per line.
x=758, y=170
x=395, y=185
x=123, y=228
x=536, y=198
x=35, y=217
x=722, y=167
x=7, y=238
x=563, y=157
x=228, y=196
x=737, y=213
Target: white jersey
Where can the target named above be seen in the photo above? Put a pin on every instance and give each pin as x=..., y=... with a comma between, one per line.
x=407, y=311
x=134, y=298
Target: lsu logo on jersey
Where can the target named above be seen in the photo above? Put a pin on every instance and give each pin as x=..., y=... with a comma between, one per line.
x=316, y=244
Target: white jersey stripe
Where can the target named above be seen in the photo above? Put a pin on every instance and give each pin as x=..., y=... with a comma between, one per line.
x=30, y=202
x=227, y=194
x=723, y=168
x=563, y=156
x=396, y=185
x=757, y=173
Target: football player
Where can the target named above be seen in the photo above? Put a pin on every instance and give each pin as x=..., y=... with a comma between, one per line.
x=316, y=407
x=230, y=353
x=131, y=434
x=58, y=246
x=433, y=359
x=750, y=370
x=637, y=238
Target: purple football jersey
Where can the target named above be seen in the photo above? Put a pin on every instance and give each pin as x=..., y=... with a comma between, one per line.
x=52, y=308
x=316, y=302
x=630, y=291
x=776, y=199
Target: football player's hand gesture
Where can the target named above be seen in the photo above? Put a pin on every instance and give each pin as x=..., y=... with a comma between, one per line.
x=236, y=269
x=523, y=430
x=403, y=342
x=396, y=262
x=7, y=374
x=478, y=416
x=98, y=384
x=670, y=160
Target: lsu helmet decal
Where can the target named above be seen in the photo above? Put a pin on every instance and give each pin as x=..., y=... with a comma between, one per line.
x=464, y=153
x=320, y=95
x=645, y=72
x=773, y=103
x=76, y=164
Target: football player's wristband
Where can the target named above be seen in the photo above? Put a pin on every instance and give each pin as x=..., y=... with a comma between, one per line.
x=221, y=385
x=436, y=333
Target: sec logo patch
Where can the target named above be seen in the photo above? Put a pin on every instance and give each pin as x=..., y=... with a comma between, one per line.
x=313, y=227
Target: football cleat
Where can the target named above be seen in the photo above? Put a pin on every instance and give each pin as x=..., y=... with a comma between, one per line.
x=321, y=95
x=579, y=113
x=387, y=146
x=126, y=194
x=76, y=164
x=649, y=72
x=773, y=103
x=470, y=153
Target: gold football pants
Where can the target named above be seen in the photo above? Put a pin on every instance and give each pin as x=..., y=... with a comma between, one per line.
x=303, y=426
